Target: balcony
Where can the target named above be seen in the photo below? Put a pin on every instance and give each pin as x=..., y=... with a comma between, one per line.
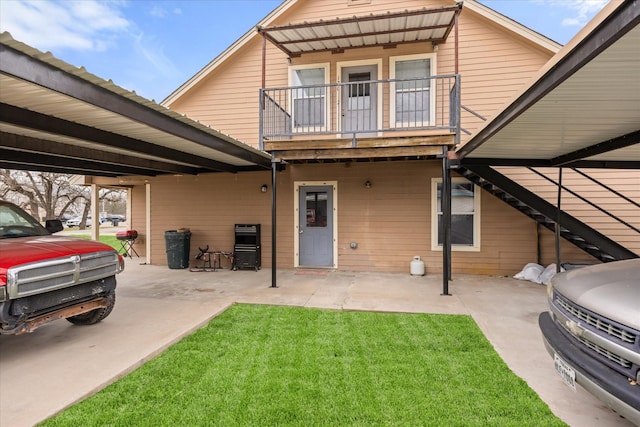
x=362, y=114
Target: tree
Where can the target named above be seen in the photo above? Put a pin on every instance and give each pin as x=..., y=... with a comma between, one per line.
x=38, y=192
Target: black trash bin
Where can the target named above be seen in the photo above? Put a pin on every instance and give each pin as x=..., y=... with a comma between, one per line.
x=177, y=244
x=115, y=222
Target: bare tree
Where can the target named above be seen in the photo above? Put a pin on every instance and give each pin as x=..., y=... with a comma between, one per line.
x=41, y=191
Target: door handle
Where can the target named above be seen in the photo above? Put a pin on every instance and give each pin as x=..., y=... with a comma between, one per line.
x=301, y=231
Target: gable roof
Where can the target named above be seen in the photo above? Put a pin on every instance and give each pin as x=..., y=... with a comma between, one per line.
x=472, y=5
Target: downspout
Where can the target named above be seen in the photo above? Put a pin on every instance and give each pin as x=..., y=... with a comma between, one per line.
x=262, y=87
x=456, y=43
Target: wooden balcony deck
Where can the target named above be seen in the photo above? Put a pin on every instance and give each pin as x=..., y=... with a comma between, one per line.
x=420, y=144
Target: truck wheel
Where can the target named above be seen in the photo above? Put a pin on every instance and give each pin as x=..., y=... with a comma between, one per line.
x=96, y=315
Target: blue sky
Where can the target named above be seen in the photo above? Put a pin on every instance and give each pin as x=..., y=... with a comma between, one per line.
x=153, y=47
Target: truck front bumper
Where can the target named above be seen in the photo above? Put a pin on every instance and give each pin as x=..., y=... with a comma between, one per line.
x=599, y=380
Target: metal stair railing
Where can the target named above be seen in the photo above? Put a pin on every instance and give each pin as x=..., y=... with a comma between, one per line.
x=545, y=213
x=589, y=202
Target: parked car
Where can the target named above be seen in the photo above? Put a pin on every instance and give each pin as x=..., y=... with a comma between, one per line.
x=44, y=278
x=592, y=331
x=75, y=222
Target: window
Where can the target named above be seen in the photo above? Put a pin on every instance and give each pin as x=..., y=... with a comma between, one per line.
x=317, y=209
x=309, y=98
x=465, y=215
x=412, y=98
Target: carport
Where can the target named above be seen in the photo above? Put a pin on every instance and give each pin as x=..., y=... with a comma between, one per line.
x=59, y=118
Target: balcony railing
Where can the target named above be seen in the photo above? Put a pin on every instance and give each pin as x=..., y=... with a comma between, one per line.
x=361, y=109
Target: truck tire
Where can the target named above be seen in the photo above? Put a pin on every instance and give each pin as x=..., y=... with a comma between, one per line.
x=96, y=315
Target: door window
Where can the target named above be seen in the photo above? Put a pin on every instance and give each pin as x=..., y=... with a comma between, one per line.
x=316, y=203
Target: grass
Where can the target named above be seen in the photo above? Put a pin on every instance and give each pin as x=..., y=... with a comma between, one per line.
x=109, y=240
x=273, y=366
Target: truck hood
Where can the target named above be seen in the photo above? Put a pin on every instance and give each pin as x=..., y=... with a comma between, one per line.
x=611, y=290
x=24, y=250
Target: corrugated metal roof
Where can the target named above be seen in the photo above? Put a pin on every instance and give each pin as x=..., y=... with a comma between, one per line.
x=585, y=105
x=432, y=25
x=152, y=137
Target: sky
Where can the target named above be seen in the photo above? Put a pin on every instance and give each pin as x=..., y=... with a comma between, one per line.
x=154, y=46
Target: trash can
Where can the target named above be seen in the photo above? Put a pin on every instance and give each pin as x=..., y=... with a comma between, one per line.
x=177, y=243
x=115, y=222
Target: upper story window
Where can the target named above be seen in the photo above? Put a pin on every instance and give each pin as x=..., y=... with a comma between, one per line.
x=413, y=101
x=309, y=97
x=465, y=215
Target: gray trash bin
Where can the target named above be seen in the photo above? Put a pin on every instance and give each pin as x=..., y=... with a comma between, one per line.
x=177, y=245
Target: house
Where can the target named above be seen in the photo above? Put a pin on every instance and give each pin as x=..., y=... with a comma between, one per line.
x=357, y=101
x=364, y=108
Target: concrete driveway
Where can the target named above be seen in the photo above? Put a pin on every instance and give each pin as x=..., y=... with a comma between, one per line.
x=56, y=366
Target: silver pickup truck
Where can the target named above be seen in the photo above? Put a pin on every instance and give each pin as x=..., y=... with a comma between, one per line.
x=592, y=331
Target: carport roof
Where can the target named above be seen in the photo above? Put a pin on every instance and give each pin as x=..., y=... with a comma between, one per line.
x=57, y=117
x=583, y=109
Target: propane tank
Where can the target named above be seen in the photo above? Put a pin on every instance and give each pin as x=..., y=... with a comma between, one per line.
x=417, y=266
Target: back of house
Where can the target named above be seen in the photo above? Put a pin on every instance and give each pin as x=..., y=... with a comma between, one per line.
x=358, y=101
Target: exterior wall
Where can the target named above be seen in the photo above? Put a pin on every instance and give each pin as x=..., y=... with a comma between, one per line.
x=391, y=221
x=494, y=65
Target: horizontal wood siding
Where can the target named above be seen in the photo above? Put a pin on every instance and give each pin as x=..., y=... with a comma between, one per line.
x=494, y=65
x=209, y=205
x=391, y=221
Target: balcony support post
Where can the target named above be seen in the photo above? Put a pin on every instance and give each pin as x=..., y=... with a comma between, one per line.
x=274, y=164
x=446, y=220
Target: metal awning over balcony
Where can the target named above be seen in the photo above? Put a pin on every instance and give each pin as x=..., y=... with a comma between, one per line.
x=389, y=29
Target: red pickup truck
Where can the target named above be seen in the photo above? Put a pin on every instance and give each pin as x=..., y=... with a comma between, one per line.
x=45, y=277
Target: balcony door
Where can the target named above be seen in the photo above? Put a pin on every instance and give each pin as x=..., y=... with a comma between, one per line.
x=359, y=107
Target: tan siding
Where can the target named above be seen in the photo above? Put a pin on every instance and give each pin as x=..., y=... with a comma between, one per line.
x=494, y=65
x=391, y=222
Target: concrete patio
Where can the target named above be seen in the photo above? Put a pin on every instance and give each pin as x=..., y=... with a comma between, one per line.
x=58, y=365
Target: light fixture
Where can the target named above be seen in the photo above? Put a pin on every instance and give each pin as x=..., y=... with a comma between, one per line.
x=367, y=184
x=263, y=188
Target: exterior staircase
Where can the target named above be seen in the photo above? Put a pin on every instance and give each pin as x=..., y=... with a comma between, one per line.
x=545, y=213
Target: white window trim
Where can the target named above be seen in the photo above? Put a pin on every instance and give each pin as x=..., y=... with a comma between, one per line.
x=293, y=68
x=434, y=217
x=392, y=89
x=342, y=64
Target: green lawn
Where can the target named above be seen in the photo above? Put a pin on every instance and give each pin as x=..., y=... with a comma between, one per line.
x=109, y=240
x=271, y=366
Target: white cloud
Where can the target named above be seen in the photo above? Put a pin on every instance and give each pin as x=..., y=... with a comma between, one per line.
x=581, y=10
x=158, y=12
x=49, y=25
